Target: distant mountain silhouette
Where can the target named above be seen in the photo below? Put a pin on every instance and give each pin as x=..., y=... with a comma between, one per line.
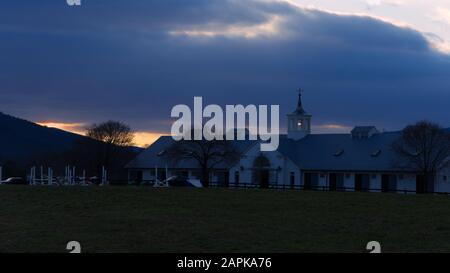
x=21, y=139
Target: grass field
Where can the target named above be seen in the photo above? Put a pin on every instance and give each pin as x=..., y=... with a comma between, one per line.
x=133, y=219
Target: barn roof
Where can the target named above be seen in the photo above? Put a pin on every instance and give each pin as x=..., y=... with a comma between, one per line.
x=341, y=152
x=153, y=155
x=330, y=152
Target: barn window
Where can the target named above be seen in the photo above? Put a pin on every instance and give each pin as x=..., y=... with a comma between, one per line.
x=376, y=153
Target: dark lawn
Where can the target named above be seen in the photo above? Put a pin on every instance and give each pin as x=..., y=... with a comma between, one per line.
x=134, y=219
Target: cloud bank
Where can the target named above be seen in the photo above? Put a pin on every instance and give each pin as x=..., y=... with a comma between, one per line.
x=133, y=60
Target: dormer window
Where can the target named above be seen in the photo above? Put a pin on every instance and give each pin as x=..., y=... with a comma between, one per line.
x=376, y=153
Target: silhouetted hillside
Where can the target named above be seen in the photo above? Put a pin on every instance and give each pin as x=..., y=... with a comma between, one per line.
x=21, y=139
x=24, y=144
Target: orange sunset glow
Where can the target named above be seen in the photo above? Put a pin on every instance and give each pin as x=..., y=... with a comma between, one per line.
x=77, y=128
x=141, y=138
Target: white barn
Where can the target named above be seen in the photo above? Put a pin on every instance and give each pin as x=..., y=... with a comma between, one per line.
x=359, y=161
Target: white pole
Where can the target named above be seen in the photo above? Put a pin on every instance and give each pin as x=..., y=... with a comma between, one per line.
x=66, y=176
x=30, y=177
x=33, y=175
x=103, y=175
x=166, y=172
x=74, y=176
x=42, y=174
x=84, y=177
x=70, y=175
x=49, y=177
x=156, y=174
x=1, y=173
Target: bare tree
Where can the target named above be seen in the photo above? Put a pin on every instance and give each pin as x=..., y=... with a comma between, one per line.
x=207, y=154
x=112, y=132
x=112, y=138
x=425, y=148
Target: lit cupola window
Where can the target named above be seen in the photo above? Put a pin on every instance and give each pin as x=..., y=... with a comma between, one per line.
x=299, y=121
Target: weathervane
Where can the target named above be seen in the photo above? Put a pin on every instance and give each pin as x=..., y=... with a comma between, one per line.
x=299, y=103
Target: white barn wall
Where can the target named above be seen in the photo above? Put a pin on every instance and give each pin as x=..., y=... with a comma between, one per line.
x=349, y=182
x=442, y=182
x=276, y=160
x=323, y=180
x=375, y=182
x=405, y=182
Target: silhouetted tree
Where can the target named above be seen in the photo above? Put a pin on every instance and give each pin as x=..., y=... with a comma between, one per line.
x=207, y=154
x=425, y=148
x=112, y=137
x=112, y=132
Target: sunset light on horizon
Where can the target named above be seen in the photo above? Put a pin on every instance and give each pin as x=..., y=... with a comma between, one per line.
x=141, y=138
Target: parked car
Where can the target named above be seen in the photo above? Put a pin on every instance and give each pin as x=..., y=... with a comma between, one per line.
x=14, y=181
x=180, y=181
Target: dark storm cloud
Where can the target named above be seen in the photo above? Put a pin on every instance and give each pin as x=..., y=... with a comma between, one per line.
x=121, y=60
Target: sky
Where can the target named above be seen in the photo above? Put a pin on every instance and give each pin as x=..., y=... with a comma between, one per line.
x=360, y=62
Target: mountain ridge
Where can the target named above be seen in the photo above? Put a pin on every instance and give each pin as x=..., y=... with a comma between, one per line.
x=21, y=140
